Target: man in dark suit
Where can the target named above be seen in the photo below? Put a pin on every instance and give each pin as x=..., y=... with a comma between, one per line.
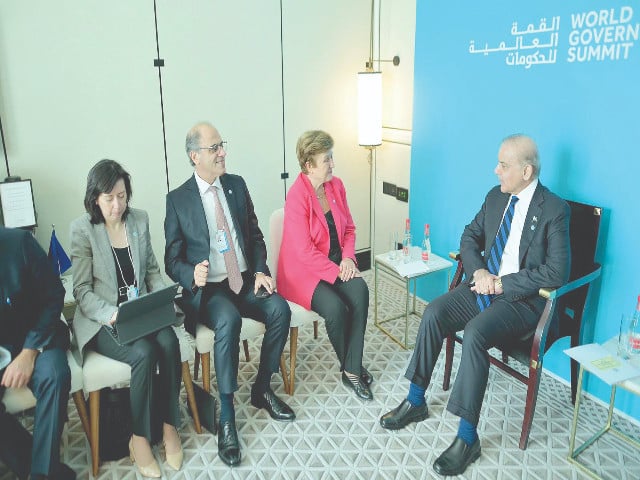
x=523, y=230
x=32, y=297
x=216, y=251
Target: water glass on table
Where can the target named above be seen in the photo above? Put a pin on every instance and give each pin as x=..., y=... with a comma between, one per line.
x=393, y=246
x=623, y=336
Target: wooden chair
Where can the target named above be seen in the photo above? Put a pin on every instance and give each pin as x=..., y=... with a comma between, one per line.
x=300, y=316
x=20, y=399
x=569, y=303
x=99, y=371
x=205, y=337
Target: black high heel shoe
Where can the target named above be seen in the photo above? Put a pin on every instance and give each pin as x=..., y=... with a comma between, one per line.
x=359, y=387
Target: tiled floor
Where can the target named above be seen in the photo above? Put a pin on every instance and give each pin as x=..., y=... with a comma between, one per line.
x=337, y=436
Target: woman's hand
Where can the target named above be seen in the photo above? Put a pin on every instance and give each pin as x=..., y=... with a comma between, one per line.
x=348, y=270
x=113, y=318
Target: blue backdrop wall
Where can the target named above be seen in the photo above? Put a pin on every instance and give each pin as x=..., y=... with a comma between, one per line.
x=566, y=73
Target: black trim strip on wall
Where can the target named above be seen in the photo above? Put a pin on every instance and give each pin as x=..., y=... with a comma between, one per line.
x=4, y=148
x=159, y=63
x=284, y=175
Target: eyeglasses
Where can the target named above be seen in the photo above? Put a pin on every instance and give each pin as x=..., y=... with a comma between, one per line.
x=215, y=147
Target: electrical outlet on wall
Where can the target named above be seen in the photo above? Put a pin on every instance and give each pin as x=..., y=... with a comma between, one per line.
x=402, y=194
x=389, y=189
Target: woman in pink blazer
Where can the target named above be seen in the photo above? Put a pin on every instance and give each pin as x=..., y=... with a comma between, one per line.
x=317, y=264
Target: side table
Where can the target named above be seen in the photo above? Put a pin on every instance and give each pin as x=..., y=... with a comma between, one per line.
x=631, y=385
x=404, y=275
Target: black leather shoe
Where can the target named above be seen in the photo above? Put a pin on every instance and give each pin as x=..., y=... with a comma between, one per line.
x=403, y=415
x=228, y=444
x=455, y=459
x=361, y=388
x=366, y=376
x=272, y=404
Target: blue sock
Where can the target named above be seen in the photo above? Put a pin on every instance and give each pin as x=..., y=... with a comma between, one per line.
x=416, y=395
x=467, y=432
x=227, y=412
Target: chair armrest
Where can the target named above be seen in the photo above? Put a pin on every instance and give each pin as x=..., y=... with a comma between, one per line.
x=551, y=293
x=454, y=256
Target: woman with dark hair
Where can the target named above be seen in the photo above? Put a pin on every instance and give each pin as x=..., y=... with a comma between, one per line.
x=112, y=262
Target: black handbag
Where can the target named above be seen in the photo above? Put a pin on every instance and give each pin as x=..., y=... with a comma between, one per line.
x=206, y=405
x=115, y=423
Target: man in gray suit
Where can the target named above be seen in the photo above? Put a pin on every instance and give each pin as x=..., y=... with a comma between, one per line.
x=523, y=230
x=216, y=251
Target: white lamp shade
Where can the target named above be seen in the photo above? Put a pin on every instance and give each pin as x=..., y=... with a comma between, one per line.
x=370, y=109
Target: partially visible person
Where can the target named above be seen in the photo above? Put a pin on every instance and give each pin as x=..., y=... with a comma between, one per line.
x=31, y=300
x=517, y=243
x=216, y=251
x=112, y=261
x=317, y=264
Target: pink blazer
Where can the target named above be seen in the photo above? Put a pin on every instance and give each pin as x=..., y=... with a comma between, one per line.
x=304, y=252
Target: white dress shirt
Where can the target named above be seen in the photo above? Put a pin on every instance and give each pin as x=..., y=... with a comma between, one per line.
x=217, y=268
x=511, y=255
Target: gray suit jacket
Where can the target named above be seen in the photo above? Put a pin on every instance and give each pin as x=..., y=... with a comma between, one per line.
x=545, y=255
x=95, y=284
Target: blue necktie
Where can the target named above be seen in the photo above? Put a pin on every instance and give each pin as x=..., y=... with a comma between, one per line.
x=495, y=255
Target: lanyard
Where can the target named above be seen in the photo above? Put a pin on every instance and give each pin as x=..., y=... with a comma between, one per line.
x=133, y=267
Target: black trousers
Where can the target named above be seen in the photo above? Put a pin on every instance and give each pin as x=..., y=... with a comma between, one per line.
x=222, y=310
x=160, y=349
x=344, y=307
x=50, y=384
x=495, y=326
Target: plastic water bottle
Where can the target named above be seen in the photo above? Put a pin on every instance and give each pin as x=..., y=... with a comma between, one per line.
x=426, y=244
x=634, y=331
x=406, y=242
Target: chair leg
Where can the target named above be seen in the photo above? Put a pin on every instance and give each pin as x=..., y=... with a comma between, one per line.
x=206, y=371
x=191, y=396
x=293, y=352
x=285, y=377
x=448, y=363
x=196, y=365
x=81, y=406
x=315, y=329
x=530, y=406
x=94, y=412
x=245, y=344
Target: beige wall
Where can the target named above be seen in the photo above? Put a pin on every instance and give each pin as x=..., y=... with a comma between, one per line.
x=77, y=84
x=393, y=158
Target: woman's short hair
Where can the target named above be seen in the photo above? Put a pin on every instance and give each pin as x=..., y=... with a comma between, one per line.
x=310, y=144
x=101, y=179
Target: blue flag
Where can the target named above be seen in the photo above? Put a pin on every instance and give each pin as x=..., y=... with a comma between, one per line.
x=57, y=256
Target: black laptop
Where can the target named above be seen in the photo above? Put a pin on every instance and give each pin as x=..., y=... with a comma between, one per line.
x=147, y=314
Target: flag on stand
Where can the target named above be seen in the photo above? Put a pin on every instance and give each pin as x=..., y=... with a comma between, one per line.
x=57, y=256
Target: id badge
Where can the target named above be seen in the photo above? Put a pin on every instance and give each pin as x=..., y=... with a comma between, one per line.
x=222, y=243
x=132, y=292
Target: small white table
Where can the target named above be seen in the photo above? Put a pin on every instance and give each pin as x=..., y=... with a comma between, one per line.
x=631, y=385
x=404, y=274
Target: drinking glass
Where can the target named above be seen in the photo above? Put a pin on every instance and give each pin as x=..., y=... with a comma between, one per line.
x=393, y=246
x=623, y=336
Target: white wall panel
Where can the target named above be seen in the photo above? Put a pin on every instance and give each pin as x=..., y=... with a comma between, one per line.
x=77, y=84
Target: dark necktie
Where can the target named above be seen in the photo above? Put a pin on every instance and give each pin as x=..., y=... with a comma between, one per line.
x=230, y=258
x=495, y=255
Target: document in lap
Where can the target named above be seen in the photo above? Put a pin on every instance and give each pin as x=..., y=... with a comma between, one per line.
x=147, y=314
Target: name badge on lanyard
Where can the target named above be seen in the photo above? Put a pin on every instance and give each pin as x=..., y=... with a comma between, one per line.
x=222, y=242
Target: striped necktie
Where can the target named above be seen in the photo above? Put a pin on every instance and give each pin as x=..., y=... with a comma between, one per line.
x=495, y=255
x=230, y=257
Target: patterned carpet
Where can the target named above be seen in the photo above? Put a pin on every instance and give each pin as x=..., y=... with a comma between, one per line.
x=337, y=436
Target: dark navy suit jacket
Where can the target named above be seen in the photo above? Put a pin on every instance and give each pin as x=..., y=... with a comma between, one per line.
x=545, y=255
x=31, y=293
x=187, y=235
